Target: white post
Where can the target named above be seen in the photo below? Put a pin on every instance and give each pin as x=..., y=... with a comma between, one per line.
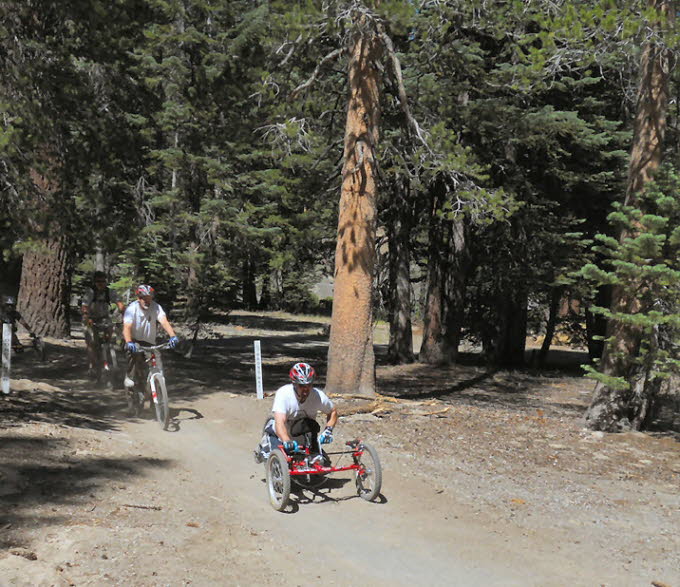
x=258, y=371
x=6, y=355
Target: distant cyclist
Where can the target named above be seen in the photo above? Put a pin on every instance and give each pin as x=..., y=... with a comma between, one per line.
x=10, y=315
x=139, y=325
x=96, y=307
x=294, y=415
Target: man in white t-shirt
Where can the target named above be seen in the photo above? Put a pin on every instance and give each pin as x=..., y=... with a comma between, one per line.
x=294, y=415
x=139, y=325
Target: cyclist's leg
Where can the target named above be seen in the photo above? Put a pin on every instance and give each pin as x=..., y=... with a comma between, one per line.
x=135, y=373
x=91, y=345
x=306, y=431
x=268, y=442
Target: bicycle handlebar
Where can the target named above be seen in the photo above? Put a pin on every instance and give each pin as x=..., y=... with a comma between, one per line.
x=157, y=347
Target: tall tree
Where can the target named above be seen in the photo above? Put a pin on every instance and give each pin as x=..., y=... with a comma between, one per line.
x=614, y=406
x=351, y=361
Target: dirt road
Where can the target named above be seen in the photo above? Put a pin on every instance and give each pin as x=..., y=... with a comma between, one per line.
x=92, y=498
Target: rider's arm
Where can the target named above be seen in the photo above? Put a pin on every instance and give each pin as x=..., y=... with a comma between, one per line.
x=85, y=311
x=332, y=418
x=280, y=426
x=127, y=331
x=163, y=321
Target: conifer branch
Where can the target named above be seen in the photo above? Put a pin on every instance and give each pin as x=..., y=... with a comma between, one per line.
x=411, y=122
x=293, y=45
x=303, y=86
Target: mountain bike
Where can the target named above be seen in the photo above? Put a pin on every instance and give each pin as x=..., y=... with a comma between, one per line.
x=107, y=362
x=152, y=386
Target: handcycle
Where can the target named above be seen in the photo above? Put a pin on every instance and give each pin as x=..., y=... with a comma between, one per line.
x=152, y=386
x=310, y=470
x=106, y=364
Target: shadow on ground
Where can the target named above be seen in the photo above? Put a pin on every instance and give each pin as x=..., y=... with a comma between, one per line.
x=58, y=390
x=44, y=482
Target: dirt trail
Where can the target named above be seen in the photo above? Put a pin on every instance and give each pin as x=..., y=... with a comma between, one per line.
x=214, y=524
x=493, y=490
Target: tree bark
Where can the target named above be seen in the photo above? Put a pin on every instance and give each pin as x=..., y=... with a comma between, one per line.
x=456, y=284
x=555, y=297
x=45, y=283
x=400, y=349
x=351, y=361
x=432, y=345
x=44, y=289
x=509, y=341
x=614, y=409
x=249, y=289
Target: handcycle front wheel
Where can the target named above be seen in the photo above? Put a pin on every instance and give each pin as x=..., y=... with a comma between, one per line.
x=368, y=477
x=160, y=403
x=278, y=479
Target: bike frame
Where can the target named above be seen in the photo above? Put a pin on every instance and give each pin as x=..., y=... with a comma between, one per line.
x=298, y=466
x=155, y=375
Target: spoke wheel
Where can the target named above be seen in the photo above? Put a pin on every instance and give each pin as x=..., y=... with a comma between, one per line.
x=368, y=477
x=278, y=480
x=161, y=406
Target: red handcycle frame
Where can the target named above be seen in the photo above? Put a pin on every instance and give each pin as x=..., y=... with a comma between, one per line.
x=282, y=466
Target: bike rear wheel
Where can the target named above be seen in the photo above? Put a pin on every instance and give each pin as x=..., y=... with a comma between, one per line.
x=369, y=477
x=160, y=403
x=105, y=369
x=278, y=480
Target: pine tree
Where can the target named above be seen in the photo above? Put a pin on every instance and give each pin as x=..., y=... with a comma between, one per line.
x=644, y=262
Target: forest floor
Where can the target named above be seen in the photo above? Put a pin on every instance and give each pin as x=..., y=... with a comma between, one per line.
x=489, y=478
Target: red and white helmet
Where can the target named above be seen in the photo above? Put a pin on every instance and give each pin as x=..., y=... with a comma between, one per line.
x=145, y=290
x=302, y=373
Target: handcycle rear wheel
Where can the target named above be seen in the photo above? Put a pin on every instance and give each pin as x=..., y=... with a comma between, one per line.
x=161, y=405
x=278, y=479
x=369, y=478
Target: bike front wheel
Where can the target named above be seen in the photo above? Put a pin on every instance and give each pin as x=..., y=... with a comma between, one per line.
x=278, y=480
x=159, y=401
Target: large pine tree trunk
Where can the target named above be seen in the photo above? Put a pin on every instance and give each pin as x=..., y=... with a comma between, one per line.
x=44, y=290
x=400, y=349
x=432, y=347
x=249, y=289
x=351, y=361
x=506, y=349
x=456, y=285
x=614, y=409
x=45, y=269
x=555, y=298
